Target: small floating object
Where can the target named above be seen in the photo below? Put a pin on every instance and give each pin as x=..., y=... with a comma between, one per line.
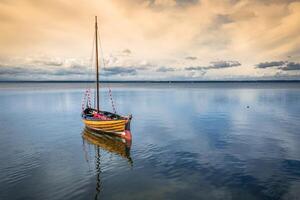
x=248, y=106
x=103, y=121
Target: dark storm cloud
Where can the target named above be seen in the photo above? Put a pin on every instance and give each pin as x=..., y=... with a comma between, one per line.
x=291, y=66
x=270, y=64
x=165, y=69
x=111, y=71
x=191, y=58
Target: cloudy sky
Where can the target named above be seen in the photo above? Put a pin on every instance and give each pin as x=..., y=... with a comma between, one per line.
x=150, y=39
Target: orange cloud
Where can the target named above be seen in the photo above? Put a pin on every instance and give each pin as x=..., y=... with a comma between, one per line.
x=161, y=32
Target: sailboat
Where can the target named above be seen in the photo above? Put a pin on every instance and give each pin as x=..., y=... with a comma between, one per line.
x=103, y=121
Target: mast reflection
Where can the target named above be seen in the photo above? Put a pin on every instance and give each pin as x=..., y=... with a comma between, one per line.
x=109, y=143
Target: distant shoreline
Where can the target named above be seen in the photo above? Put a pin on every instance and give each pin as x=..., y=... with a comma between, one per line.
x=204, y=81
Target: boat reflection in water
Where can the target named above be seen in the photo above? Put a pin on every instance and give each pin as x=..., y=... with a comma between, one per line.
x=109, y=143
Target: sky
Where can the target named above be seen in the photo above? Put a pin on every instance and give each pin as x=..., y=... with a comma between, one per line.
x=150, y=39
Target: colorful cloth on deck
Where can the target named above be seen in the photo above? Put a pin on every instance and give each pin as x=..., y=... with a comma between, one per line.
x=100, y=116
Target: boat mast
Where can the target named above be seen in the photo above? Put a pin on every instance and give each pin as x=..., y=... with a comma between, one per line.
x=97, y=67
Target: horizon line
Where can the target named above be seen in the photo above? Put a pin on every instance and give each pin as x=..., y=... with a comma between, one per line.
x=143, y=81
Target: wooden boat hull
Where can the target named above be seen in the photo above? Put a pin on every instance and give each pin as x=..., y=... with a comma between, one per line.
x=106, y=125
x=116, y=127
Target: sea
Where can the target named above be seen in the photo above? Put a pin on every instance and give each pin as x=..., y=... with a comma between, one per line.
x=203, y=140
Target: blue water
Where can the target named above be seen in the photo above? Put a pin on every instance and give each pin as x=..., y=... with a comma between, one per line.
x=190, y=141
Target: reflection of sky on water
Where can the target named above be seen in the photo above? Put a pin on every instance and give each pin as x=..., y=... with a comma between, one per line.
x=187, y=143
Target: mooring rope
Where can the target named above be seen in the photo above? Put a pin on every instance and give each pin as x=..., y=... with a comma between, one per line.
x=86, y=101
x=112, y=101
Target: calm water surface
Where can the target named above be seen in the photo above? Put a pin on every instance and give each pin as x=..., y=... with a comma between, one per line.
x=190, y=141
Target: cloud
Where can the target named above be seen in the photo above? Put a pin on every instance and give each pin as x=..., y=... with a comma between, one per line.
x=184, y=3
x=196, y=71
x=162, y=32
x=40, y=68
x=221, y=19
x=270, y=64
x=165, y=69
x=44, y=69
x=165, y=4
x=68, y=72
x=215, y=65
x=195, y=68
x=14, y=71
x=191, y=58
x=48, y=62
x=122, y=71
x=282, y=65
x=224, y=64
x=38, y=71
x=126, y=51
x=291, y=66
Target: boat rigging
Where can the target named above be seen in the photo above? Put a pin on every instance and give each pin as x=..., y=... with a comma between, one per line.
x=97, y=119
